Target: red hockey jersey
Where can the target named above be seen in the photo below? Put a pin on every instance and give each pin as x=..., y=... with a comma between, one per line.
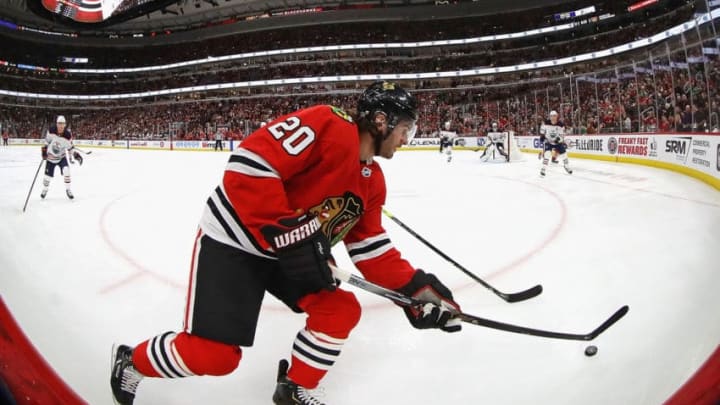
x=307, y=161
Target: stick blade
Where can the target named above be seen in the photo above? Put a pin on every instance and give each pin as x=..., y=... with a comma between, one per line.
x=523, y=295
x=608, y=323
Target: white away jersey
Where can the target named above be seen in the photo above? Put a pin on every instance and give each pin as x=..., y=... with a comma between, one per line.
x=554, y=133
x=449, y=135
x=57, y=146
x=496, y=137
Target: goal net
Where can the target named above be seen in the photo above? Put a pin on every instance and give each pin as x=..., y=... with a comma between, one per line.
x=510, y=144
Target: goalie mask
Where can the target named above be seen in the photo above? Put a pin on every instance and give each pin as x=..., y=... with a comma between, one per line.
x=396, y=103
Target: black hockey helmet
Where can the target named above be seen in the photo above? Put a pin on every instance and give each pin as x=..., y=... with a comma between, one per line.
x=390, y=99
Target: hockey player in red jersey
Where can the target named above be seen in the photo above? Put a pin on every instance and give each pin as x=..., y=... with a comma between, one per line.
x=295, y=187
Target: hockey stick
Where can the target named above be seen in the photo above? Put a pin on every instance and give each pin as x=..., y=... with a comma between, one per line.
x=512, y=297
x=33, y=184
x=404, y=300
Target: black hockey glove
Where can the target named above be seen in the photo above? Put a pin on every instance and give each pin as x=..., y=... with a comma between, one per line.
x=78, y=157
x=303, y=252
x=438, y=312
x=43, y=151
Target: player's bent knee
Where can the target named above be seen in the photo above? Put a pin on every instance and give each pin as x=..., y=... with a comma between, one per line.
x=334, y=313
x=351, y=308
x=207, y=357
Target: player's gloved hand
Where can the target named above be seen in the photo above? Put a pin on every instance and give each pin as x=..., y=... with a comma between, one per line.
x=440, y=310
x=78, y=157
x=303, y=252
x=43, y=151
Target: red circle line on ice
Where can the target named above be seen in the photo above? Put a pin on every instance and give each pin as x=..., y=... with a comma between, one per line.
x=142, y=271
x=546, y=241
x=520, y=260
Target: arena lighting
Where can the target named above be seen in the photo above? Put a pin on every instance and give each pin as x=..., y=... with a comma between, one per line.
x=393, y=45
x=631, y=46
x=641, y=4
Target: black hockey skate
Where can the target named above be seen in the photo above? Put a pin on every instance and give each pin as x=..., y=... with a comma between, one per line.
x=289, y=393
x=542, y=172
x=124, y=379
x=43, y=194
x=567, y=169
x=69, y=194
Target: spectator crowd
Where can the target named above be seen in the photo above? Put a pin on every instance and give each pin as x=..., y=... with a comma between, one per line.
x=669, y=87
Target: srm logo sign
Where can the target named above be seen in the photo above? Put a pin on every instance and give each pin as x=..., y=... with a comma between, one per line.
x=679, y=147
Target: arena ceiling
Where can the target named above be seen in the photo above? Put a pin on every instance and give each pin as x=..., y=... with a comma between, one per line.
x=161, y=15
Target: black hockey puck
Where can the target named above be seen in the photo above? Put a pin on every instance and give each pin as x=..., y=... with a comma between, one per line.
x=590, y=351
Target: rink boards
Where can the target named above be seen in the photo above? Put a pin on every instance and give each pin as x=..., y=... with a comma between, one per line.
x=695, y=155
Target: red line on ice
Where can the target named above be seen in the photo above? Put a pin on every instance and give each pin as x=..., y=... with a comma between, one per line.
x=141, y=270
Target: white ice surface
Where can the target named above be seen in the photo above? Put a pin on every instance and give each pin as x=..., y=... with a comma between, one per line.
x=112, y=266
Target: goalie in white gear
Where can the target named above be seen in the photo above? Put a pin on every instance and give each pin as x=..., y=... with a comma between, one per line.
x=447, y=137
x=58, y=145
x=495, y=141
x=553, y=132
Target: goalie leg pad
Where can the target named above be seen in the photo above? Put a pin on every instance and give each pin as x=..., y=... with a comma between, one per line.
x=501, y=149
x=488, y=150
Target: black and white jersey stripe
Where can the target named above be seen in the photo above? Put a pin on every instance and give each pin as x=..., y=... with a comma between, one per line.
x=369, y=248
x=220, y=222
x=246, y=162
x=317, y=349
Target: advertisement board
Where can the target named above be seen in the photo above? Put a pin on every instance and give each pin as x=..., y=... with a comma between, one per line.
x=697, y=155
x=149, y=144
x=15, y=141
x=693, y=154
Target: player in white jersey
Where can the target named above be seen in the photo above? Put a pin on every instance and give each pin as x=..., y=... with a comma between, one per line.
x=447, y=137
x=553, y=132
x=58, y=144
x=495, y=141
